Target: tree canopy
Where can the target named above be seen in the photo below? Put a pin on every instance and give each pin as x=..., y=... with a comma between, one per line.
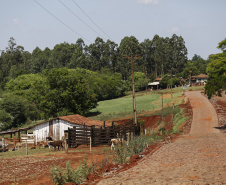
x=216, y=70
x=72, y=77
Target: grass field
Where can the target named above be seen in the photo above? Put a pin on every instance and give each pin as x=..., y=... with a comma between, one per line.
x=145, y=102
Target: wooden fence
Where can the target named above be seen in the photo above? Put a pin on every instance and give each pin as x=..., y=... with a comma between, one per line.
x=28, y=138
x=100, y=136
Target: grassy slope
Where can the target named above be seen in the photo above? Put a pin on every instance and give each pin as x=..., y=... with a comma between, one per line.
x=145, y=102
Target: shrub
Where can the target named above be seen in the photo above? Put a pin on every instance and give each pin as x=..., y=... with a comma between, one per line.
x=70, y=175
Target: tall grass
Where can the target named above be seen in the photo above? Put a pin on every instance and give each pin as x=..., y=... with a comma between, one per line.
x=137, y=145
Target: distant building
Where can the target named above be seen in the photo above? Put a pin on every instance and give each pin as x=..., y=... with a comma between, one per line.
x=200, y=78
x=155, y=84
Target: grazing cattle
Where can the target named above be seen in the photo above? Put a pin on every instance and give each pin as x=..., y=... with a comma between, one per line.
x=18, y=145
x=2, y=145
x=114, y=143
x=54, y=144
x=42, y=143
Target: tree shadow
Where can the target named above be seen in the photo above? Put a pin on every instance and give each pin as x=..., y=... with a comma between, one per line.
x=91, y=114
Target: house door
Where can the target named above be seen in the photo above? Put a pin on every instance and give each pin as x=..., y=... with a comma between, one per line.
x=51, y=128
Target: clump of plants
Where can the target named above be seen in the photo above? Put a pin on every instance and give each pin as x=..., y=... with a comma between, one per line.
x=70, y=175
x=137, y=145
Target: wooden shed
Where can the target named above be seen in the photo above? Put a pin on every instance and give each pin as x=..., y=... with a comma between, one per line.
x=55, y=127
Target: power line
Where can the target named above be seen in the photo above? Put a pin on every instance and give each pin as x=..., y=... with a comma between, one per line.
x=61, y=21
x=79, y=18
x=92, y=20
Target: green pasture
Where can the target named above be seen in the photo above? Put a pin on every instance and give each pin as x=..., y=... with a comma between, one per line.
x=145, y=102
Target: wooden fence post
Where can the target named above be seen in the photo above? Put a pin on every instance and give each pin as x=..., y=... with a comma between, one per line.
x=3, y=141
x=69, y=138
x=19, y=135
x=90, y=143
x=74, y=130
x=92, y=135
x=14, y=140
x=26, y=148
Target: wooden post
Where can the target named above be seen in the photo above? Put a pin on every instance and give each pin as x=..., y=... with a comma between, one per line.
x=74, y=132
x=171, y=126
x=104, y=124
x=92, y=135
x=26, y=148
x=19, y=135
x=3, y=141
x=90, y=143
x=69, y=137
x=14, y=140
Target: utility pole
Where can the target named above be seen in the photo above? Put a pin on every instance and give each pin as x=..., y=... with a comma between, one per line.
x=162, y=109
x=133, y=87
x=190, y=78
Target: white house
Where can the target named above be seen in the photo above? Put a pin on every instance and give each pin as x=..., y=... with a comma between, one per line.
x=55, y=127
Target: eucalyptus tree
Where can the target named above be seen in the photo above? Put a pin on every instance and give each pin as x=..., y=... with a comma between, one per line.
x=178, y=53
x=61, y=55
x=157, y=53
x=39, y=59
x=79, y=58
x=147, y=51
x=96, y=54
x=130, y=50
x=12, y=61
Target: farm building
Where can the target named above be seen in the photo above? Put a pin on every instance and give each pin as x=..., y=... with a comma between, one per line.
x=55, y=127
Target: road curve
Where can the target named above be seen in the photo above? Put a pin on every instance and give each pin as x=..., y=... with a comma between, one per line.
x=204, y=114
x=195, y=158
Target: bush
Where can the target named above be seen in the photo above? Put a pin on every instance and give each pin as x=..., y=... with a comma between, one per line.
x=60, y=176
x=135, y=146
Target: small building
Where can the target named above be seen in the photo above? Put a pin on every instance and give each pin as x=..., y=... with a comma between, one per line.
x=155, y=84
x=55, y=127
x=201, y=78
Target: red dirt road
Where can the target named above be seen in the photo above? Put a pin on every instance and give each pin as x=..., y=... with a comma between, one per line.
x=195, y=158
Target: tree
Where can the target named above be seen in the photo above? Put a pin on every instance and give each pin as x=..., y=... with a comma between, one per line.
x=178, y=52
x=166, y=81
x=61, y=55
x=15, y=106
x=222, y=45
x=216, y=69
x=140, y=80
x=198, y=63
x=147, y=51
x=68, y=94
x=78, y=58
x=130, y=49
x=5, y=120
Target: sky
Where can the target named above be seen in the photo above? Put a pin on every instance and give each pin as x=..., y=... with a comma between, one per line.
x=45, y=23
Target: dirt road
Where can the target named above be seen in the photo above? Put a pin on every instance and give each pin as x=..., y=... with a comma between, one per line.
x=196, y=158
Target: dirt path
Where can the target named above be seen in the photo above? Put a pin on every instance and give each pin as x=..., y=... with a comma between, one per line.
x=196, y=158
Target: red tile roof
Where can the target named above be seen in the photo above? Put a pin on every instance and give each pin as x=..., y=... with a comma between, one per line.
x=158, y=79
x=201, y=76
x=78, y=119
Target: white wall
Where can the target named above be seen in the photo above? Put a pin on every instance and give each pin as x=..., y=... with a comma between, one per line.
x=41, y=132
x=59, y=126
